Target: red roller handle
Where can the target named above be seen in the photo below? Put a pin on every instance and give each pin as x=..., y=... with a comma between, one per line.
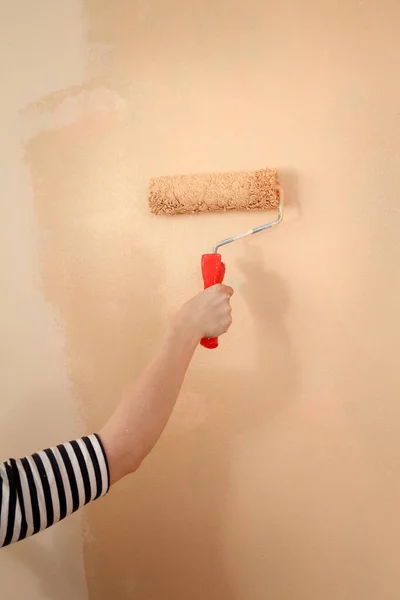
x=213, y=270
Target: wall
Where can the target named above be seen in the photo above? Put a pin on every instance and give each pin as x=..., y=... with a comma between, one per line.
x=41, y=46
x=278, y=474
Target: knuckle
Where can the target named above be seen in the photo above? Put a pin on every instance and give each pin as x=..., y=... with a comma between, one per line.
x=226, y=289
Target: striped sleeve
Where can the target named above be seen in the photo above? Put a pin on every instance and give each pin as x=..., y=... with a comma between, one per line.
x=40, y=490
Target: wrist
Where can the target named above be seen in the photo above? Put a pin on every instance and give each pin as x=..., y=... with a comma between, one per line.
x=184, y=328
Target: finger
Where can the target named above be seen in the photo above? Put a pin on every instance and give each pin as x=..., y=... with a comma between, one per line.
x=227, y=290
x=228, y=324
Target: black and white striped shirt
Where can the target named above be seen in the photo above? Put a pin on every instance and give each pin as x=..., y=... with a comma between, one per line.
x=42, y=489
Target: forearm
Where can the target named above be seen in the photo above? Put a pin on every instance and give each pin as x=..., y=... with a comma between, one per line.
x=143, y=413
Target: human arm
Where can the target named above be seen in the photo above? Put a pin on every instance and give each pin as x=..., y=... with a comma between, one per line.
x=39, y=490
x=143, y=413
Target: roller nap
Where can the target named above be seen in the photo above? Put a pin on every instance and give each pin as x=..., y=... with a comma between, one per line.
x=183, y=194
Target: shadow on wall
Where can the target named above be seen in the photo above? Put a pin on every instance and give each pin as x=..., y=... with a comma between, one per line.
x=166, y=534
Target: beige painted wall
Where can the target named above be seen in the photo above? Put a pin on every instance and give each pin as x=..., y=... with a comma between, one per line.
x=278, y=476
x=41, y=47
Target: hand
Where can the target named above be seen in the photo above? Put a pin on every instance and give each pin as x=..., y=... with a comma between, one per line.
x=209, y=314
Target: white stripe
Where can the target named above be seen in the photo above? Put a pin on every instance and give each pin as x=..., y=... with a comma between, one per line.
x=77, y=471
x=40, y=493
x=17, y=522
x=4, y=504
x=89, y=465
x=52, y=484
x=64, y=475
x=27, y=498
x=102, y=463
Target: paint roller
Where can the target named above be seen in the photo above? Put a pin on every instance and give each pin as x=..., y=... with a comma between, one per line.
x=221, y=192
